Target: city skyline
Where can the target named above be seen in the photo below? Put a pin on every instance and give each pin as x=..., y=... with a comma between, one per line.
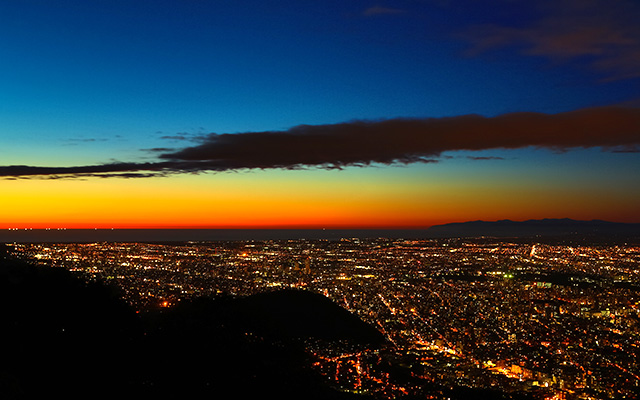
x=163, y=114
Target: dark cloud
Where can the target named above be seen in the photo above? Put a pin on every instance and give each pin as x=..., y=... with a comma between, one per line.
x=414, y=140
x=364, y=143
x=604, y=35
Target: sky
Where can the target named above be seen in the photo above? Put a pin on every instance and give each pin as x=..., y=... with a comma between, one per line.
x=317, y=114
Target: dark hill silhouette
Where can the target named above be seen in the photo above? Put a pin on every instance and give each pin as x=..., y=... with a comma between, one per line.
x=248, y=346
x=282, y=315
x=59, y=334
x=303, y=314
x=63, y=337
x=544, y=227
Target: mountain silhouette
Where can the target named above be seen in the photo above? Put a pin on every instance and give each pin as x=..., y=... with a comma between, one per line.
x=59, y=334
x=543, y=227
x=290, y=314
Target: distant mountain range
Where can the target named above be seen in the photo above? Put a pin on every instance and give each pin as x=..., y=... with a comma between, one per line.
x=534, y=227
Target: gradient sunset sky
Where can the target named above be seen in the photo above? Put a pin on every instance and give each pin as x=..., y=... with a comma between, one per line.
x=312, y=114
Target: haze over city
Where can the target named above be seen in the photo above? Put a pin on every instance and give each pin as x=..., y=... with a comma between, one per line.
x=359, y=114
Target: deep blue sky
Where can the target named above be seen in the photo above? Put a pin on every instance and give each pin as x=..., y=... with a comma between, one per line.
x=97, y=69
x=92, y=82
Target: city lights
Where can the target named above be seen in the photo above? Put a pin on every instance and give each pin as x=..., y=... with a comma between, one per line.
x=552, y=320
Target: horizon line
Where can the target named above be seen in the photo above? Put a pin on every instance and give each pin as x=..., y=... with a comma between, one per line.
x=39, y=227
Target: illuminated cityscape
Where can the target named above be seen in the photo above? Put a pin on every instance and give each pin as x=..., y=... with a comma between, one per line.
x=320, y=200
x=547, y=321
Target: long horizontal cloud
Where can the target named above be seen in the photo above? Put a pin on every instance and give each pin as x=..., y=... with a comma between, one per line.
x=414, y=140
x=362, y=143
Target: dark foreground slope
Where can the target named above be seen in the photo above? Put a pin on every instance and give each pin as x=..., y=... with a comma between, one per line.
x=249, y=347
x=59, y=335
x=66, y=338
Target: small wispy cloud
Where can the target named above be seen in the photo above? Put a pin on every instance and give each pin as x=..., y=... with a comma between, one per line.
x=484, y=158
x=175, y=137
x=159, y=149
x=79, y=141
x=379, y=10
x=184, y=137
x=626, y=149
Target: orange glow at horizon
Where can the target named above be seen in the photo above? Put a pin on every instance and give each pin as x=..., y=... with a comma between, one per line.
x=295, y=199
